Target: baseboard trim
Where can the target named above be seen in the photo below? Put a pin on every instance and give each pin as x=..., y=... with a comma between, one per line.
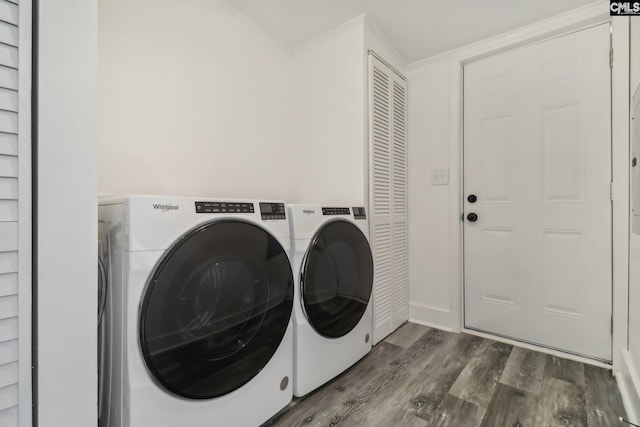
x=629, y=386
x=430, y=316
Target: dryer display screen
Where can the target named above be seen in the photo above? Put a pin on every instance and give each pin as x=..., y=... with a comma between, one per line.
x=272, y=211
x=359, y=213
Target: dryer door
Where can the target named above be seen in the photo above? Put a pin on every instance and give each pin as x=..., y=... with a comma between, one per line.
x=215, y=309
x=336, y=278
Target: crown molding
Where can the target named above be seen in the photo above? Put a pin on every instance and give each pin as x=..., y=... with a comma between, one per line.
x=340, y=29
x=590, y=14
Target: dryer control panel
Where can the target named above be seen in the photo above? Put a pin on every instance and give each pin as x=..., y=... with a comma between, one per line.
x=272, y=211
x=336, y=211
x=224, y=207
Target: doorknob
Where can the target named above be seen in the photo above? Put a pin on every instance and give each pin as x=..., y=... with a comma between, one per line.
x=472, y=198
x=472, y=217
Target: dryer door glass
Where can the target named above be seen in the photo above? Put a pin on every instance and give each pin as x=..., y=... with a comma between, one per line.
x=336, y=278
x=215, y=309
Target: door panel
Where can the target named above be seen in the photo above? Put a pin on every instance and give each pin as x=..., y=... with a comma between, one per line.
x=497, y=151
x=562, y=146
x=537, y=154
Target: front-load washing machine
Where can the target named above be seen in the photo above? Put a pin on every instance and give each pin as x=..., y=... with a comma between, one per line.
x=197, y=324
x=333, y=270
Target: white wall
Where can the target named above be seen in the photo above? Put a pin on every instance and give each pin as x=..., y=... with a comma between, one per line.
x=374, y=39
x=429, y=243
x=67, y=214
x=329, y=121
x=187, y=85
x=194, y=100
x=331, y=157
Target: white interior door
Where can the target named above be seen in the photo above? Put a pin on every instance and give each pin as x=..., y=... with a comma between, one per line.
x=537, y=156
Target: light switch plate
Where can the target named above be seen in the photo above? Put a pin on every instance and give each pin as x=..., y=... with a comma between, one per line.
x=439, y=176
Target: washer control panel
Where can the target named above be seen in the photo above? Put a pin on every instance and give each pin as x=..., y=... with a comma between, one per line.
x=336, y=211
x=272, y=211
x=359, y=213
x=224, y=207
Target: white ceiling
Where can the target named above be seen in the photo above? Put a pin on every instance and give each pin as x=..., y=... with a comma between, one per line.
x=417, y=29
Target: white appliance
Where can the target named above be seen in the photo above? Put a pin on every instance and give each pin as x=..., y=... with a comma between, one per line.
x=333, y=270
x=197, y=324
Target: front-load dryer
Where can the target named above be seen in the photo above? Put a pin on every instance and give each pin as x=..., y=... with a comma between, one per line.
x=333, y=270
x=197, y=323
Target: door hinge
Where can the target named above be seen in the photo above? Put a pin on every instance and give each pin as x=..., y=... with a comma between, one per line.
x=611, y=325
x=611, y=191
x=611, y=57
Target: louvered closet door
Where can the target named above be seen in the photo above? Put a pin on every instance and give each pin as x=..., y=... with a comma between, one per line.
x=15, y=214
x=388, y=197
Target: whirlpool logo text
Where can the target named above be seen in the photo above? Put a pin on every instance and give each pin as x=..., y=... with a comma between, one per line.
x=165, y=207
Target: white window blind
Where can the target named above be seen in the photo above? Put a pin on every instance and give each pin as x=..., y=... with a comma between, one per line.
x=15, y=214
x=388, y=197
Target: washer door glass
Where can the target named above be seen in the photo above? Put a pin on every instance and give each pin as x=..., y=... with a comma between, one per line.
x=336, y=278
x=215, y=309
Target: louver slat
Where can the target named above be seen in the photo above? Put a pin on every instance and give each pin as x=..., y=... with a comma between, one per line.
x=8, y=397
x=9, y=12
x=9, y=417
x=8, y=189
x=8, y=56
x=8, y=284
x=8, y=210
x=8, y=33
x=8, y=352
x=8, y=329
x=8, y=306
x=8, y=374
x=8, y=144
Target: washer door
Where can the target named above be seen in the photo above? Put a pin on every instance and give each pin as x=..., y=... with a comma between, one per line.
x=336, y=278
x=215, y=309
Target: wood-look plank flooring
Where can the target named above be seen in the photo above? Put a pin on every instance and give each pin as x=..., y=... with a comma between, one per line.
x=420, y=376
